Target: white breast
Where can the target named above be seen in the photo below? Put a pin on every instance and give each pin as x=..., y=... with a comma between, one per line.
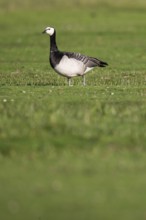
x=70, y=67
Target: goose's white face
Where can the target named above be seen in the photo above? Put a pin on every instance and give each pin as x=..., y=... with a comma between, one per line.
x=49, y=30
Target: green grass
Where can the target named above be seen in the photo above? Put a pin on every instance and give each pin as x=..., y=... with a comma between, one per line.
x=72, y=152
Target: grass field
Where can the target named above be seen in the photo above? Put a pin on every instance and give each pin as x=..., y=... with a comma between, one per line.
x=73, y=152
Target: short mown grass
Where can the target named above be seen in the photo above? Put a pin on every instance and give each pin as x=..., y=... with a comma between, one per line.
x=73, y=152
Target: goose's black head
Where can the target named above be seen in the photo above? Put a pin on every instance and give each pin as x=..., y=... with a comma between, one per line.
x=49, y=30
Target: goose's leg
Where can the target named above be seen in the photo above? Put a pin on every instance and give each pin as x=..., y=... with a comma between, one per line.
x=69, y=81
x=84, y=80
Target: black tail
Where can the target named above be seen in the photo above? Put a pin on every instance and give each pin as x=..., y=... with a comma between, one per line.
x=99, y=62
x=102, y=64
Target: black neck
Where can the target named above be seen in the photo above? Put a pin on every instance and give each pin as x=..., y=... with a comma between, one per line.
x=53, y=45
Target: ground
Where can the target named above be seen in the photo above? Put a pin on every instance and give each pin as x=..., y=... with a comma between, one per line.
x=73, y=152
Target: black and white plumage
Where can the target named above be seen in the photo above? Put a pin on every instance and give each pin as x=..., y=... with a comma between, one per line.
x=70, y=64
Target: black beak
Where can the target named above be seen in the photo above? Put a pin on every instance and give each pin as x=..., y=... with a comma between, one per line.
x=44, y=32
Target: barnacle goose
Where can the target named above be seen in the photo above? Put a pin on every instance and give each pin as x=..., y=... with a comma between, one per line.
x=70, y=64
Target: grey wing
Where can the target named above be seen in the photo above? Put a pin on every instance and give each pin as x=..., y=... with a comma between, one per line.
x=88, y=61
x=77, y=56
